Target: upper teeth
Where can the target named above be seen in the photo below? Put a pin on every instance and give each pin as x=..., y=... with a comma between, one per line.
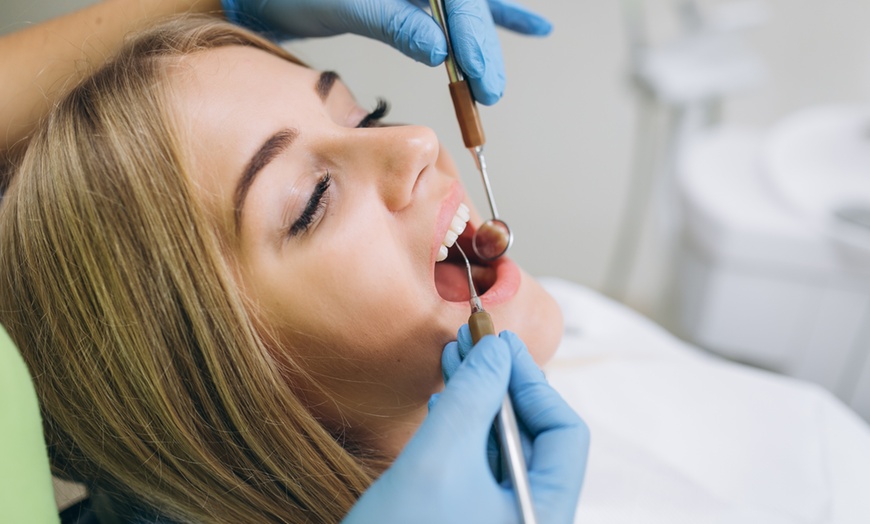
x=457, y=226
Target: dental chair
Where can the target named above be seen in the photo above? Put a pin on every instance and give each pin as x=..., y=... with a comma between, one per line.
x=26, y=492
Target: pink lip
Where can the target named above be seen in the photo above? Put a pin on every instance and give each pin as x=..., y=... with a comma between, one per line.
x=507, y=283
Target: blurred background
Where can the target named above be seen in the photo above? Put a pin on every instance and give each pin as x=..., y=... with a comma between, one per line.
x=705, y=162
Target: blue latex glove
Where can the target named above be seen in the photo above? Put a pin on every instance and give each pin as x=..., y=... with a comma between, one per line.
x=443, y=474
x=452, y=356
x=405, y=25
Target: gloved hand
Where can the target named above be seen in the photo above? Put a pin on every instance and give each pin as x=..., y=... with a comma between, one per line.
x=443, y=474
x=404, y=25
x=452, y=356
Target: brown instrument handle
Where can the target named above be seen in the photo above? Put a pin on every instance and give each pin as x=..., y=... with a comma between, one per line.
x=508, y=431
x=466, y=114
x=481, y=325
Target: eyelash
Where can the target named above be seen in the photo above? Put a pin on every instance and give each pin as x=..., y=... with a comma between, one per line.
x=315, y=208
x=374, y=118
x=317, y=203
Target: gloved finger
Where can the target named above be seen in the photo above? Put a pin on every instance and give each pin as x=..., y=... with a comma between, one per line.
x=442, y=474
x=529, y=371
x=496, y=461
x=470, y=401
x=411, y=30
x=432, y=401
x=455, y=352
x=401, y=25
x=519, y=19
x=463, y=337
x=494, y=452
x=510, y=16
x=560, y=437
x=493, y=456
x=557, y=469
x=398, y=23
x=450, y=360
x=477, y=49
x=527, y=441
x=539, y=407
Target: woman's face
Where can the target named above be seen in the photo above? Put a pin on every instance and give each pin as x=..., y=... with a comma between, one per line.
x=333, y=224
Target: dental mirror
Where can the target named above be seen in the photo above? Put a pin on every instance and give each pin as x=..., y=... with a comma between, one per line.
x=494, y=237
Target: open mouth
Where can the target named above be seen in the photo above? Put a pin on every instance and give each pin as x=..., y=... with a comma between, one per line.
x=451, y=276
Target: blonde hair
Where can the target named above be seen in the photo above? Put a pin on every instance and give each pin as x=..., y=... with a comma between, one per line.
x=155, y=384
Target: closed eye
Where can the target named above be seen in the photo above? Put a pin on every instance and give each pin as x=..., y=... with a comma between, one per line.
x=315, y=208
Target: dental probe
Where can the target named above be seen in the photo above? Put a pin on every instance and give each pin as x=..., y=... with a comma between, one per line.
x=494, y=237
x=480, y=324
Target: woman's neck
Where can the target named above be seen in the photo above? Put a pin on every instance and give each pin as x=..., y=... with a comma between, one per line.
x=386, y=436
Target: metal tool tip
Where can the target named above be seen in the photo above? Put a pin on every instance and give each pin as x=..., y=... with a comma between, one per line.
x=476, y=305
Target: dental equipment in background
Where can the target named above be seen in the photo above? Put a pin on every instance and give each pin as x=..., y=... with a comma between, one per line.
x=680, y=88
x=494, y=237
x=480, y=324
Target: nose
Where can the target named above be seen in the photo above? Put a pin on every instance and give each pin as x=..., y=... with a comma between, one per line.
x=393, y=158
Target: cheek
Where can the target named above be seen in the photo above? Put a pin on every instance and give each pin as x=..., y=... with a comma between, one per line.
x=535, y=316
x=355, y=321
x=367, y=354
x=371, y=276
x=363, y=310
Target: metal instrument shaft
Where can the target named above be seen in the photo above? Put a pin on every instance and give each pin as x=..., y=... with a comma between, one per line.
x=480, y=324
x=496, y=237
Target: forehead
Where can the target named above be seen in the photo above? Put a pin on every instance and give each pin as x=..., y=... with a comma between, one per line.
x=239, y=90
x=229, y=100
x=219, y=82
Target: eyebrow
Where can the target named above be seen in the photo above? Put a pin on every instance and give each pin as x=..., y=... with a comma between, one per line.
x=270, y=149
x=273, y=147
x=324, y=83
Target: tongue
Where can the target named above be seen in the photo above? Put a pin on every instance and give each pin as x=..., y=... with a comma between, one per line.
x=451, y=281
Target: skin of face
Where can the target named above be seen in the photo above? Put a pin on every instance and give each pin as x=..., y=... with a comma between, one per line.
x=353, y=299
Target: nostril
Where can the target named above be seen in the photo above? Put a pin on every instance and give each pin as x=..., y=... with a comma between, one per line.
x=411, y=152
